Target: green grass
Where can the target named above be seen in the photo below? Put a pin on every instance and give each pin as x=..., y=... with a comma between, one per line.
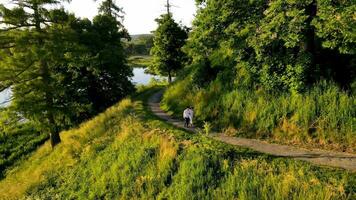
x=140, y=61
x=127, y=153
x=18, y=144
x=322, y=117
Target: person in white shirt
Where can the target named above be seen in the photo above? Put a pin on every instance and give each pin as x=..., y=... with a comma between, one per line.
x=186, y=116
x=191, y=114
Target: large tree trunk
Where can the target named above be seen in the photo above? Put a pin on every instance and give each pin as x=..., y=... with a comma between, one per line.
x=169, y=77
x=54, y=132
x=55, y=138
x=46, y=80
x=310, y=43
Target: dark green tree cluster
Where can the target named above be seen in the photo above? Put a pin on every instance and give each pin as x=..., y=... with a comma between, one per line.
x=169, y=38
x=61, y=70
x=139, y=45
x=277, y=45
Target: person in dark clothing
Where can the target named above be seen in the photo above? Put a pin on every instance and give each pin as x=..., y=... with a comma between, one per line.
x=186, y=116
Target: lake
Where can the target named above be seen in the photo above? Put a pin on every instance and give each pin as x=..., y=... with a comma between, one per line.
x=4, y=97
x=140, y=77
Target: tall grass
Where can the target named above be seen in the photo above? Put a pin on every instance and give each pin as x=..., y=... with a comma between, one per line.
x=45, y=162
x=323, y=116
x=17, y=144
x=125, y=153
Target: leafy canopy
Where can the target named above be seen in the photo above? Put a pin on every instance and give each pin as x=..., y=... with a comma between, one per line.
x=169, y=38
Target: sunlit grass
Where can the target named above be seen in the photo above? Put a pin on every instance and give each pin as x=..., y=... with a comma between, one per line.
x=45, y=161
x=322, y=117
x=17, y=144
x=127, y=153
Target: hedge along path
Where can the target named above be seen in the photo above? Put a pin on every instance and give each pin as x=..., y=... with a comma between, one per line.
x=318, y=157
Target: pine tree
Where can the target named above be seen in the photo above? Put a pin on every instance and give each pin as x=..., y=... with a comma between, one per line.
x=111, y=80
x=61, y=70
x=110, y=8
x=27, y=66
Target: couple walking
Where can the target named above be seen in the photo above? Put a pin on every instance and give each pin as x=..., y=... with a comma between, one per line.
x=188, y=114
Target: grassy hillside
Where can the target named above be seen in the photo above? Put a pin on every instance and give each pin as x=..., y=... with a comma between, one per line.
x=17, y=145
x=277, y=70
x=18, y=139
x=126, y=153
x=322, y=117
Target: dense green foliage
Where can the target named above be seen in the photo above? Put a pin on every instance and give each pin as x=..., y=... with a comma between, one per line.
x=126, y=153
x=139, y=45
x=278, y=45
x=168, y=41
x=282, y=70
x=61, y=70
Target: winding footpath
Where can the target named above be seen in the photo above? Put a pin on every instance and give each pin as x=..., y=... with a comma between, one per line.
x=314, y=156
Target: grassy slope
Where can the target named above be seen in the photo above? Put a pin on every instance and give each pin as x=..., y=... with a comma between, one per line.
x=322, y=117
x=18, y=145
x=127, y=153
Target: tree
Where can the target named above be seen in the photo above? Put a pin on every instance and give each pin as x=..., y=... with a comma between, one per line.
x=61, y=70
x=278, y=45
x=108, y=72
x=27, y=68
x=110, y=8
x=110, y=78
x=169, y=38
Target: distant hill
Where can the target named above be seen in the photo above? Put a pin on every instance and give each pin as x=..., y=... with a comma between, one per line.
x=138, y=36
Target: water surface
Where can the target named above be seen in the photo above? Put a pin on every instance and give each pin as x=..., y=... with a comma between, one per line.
x=140, y=77
x=4, y=97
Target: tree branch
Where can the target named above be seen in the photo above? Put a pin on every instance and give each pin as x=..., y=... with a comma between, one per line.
x=14, y=27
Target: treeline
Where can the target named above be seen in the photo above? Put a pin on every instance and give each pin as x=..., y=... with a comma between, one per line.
x=277, y=45
x=61, y=69
x=273, y=69
x=139, y=44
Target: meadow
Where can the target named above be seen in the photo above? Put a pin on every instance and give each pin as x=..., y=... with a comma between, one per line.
x=127, y=153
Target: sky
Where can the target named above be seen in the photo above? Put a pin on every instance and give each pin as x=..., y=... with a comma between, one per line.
x=139, y=14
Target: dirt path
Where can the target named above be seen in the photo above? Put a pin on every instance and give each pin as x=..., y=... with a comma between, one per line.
x=318, y=157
